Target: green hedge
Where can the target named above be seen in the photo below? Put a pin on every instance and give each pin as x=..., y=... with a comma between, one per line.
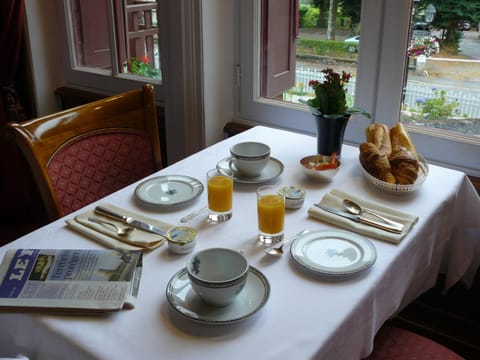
x=333, y=48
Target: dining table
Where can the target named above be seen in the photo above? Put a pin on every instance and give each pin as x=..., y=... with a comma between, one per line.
x=303, y=314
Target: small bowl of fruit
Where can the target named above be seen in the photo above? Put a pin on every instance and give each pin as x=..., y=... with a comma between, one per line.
x=320, y=167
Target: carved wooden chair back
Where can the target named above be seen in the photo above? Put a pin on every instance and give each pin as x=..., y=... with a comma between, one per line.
x=82, y=154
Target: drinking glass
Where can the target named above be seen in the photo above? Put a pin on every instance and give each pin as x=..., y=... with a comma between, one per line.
x=271, y=214
x=220, y=195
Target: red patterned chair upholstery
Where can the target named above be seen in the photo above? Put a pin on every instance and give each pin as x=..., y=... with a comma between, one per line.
x=393, y=343
x=82, y=154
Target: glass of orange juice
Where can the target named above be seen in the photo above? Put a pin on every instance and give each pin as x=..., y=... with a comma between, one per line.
x=271, y=214
x=220, y=195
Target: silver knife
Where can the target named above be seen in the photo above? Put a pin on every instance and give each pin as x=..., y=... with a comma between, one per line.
x=361, y=219
x=130, y=221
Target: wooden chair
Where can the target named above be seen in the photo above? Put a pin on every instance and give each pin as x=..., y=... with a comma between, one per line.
x=82, y=154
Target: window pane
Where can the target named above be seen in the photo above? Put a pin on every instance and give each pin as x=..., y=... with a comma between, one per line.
x=324, y=41
x=441, y=86
x=91, y=34
x=141, y=50
x=136, y=49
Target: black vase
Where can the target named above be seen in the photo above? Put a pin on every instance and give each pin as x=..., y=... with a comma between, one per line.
x=330, y=131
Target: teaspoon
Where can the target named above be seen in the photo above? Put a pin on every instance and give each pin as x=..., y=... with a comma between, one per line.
x=278, y=249
x=121, y=231
x=356, y=209
x=190, y=216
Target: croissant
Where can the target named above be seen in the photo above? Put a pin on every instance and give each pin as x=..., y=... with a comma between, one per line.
x=379, y=135
x=404, y=165
x=376, y=162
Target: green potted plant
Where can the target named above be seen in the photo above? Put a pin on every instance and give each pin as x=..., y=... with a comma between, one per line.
x=329, y=107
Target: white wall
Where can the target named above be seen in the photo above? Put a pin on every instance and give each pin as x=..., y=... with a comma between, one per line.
x=219, y=66
x=47, y=67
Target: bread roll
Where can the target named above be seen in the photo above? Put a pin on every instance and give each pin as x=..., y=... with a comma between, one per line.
x=379, y=135
x=399, y=137
x=404, y=165
x=376, y=162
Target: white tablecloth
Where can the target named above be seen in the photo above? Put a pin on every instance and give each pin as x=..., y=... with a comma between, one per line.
x=305, y=316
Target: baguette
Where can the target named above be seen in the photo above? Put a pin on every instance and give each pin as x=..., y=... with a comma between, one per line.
x=379, y=135
x=399, y=137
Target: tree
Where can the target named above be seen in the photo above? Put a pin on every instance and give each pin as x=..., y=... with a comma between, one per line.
x=332, y=19
x=328, y=13
x=323, y=7
x=352, y=9
x=449, y=14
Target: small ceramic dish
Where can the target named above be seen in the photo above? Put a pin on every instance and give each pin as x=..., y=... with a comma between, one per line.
x=294, y=196
x=320, y=167
x=182, y=240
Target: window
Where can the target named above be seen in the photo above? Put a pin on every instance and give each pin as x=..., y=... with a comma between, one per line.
x=135, y=46
x=112, y=41
x=179, y=55
x=385, y=30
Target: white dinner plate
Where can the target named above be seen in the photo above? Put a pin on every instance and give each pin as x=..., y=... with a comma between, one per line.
x=273, y=169
x=333, y=253
x=167, y=191
x=183, y=299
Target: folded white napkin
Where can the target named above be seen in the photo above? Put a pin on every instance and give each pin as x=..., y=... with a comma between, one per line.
x=106, y=235
x=334, y=198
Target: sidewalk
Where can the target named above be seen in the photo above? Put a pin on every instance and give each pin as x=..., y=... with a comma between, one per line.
x=460, y=69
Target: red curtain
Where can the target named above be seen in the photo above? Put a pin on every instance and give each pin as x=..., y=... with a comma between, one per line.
x=12, y=16
x=21, y=209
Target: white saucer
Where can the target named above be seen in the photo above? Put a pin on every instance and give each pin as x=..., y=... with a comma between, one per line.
x=273, y=169
x=167, y=191
x=183, y=299
x=333, y=253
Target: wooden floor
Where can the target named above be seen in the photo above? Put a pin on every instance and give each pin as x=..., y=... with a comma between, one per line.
x=452, y=319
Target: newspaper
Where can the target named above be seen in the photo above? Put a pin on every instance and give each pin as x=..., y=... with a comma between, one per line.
x=95, y=280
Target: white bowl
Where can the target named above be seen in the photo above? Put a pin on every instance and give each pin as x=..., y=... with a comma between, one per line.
x=217, y=275
x=312, y=167
x=249, y=158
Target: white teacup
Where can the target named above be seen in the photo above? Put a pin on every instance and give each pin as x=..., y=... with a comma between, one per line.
x=249, y=158
x=217, y=275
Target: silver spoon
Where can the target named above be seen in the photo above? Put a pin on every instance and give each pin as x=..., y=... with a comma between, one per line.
x=121, y=231
x=190, y=216
x=356, y=209
x=278, y=250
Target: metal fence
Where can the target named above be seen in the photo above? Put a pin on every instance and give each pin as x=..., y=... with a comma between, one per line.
x=468, y=99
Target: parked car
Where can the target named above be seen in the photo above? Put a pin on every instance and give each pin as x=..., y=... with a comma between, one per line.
x=464, y=25
x=420, y=29
x=352, y=43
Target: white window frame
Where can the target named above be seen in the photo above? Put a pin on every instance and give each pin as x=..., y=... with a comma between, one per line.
x=384, y=29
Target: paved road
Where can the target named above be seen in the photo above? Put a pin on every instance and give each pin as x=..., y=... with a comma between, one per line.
x=470, y=44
